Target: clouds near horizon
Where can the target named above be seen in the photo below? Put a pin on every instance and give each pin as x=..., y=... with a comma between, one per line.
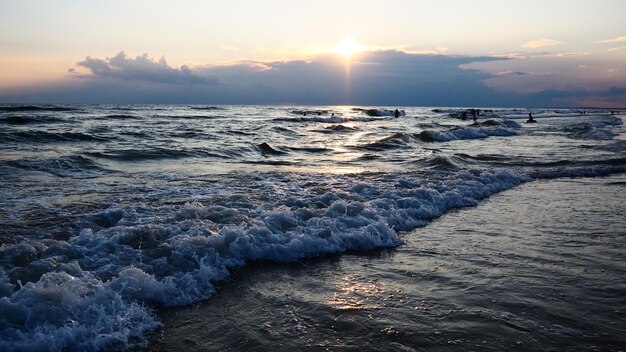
x=540, y=43
x=385, y=77
x=143, y=68
x=382, y=77
x=614, y=40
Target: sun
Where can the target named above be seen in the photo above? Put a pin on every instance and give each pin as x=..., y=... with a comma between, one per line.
x=348, y=48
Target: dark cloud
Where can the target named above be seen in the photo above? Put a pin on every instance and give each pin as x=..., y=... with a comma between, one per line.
x=612, y=97
x=387, y=77
x=374, y=78
x=143, y=68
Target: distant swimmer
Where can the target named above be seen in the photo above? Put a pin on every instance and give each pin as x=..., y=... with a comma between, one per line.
x=332, y=115
x=530, y=118
x=396, y=113
x=304, y=114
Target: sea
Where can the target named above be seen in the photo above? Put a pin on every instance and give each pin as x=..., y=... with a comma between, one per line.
x=311, y=228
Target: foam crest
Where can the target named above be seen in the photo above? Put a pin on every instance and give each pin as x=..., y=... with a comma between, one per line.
x=598, y=128
x=97, y=288
x=483, y=130
x=62, y=311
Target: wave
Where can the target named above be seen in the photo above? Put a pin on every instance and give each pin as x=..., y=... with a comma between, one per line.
x=396, y=140
x=325, y=119
x=310, y=112
x=154, y=153
x=267, y=149
x=25, y=108
x=378, y=112
x=609, y=167
x=105, y=281
x=536, y=165
x=486, y=129
x=439, y=162
x=186, y=117
x=598, y=129
x=340, y=128
x=240, y=133
x=312, y=150
x=286, y=130
x=478, y=131
x=50, y=137
x=121, y=117
x=74, y=166
x=29, y=120
x=207, y=108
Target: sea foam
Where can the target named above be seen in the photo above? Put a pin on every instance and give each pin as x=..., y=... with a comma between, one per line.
x=98, y=289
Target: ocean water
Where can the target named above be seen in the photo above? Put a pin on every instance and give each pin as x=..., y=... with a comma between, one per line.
x=231, y=227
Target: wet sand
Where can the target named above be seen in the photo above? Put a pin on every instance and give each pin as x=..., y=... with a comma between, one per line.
x=538, y=267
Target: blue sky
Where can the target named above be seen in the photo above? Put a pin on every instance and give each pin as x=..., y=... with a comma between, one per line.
x=394, y=52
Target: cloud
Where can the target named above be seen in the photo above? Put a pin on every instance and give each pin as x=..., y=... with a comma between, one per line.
x=539, y=43
x=612, y=92
x=511, y=73
x=380, y=77
x=614, y=40
x=385, y=77
x=518, y=55
x=616, y=49
x=143, y=68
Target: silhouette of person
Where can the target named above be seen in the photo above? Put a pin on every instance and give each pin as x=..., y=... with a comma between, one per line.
x=396, y=113
x=530, y=118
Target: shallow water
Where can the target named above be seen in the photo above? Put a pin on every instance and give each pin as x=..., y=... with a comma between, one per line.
x=112, y=213
x=538, y=267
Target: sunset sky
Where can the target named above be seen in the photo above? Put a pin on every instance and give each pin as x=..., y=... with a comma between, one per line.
x=393, y=52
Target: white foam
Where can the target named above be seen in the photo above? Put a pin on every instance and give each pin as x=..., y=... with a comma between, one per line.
x=101, y=283
x=62, y=311
x=472, y=132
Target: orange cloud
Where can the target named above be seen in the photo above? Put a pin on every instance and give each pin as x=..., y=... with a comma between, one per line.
x=539, y=43
x=614, y=40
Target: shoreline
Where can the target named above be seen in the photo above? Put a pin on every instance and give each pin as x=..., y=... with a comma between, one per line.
x=454, y=285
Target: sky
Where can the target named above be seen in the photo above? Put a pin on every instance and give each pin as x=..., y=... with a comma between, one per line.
x=566, y=53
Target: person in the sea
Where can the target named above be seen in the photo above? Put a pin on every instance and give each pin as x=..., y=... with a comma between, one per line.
x=474, y=114
x=530, y=118
x=464, y=116
x=396, y=113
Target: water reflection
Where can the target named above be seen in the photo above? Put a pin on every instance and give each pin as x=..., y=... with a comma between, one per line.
x=357, y=293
